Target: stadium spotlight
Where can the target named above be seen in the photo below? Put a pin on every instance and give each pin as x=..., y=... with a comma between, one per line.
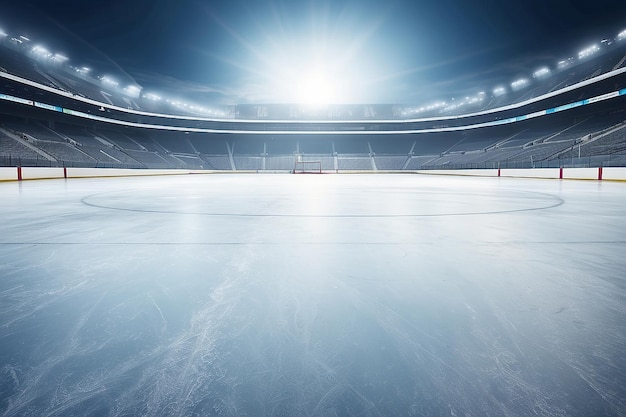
x=152, y=96
x=478, y=98
x=60, y=58
x=518, y=84
x=24, y=38
x=587, y=52
x=132, y=91
x=542, y=73
x=564, y=63
x=498, y=91
x=41, y=51
x=621, y=35
x=106, y=80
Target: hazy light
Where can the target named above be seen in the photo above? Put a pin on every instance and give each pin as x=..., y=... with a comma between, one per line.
x=564, y=63
x=588, y=51
x=312, y=78
x=60, y=58
x=106, y=80
x=40, y=50
x=477, y=99
x=621, y=35
x=318, y=59
x=132, y=91
x=152, y=96
x=454, y=106
x=24, y=38
x=498, y=91
x=316, y=88
x=541, y=72
x=430, y=107
x=3, y=33
x=517, y=84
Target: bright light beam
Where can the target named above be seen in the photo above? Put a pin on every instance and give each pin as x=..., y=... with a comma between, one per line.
x=316, y=88
x=334, y=62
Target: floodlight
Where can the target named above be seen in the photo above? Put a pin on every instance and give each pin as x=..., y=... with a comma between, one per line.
x=106, y=80
x=3, y=34
x=517, y=84
x=564, y=63
x=60, y=58
x=153, y=97
x=541, y=72
x=498, y=91
x=40, y=50
x=24, y=38
x=621, y=35
x=476, y=99
x=132, y=91
x=588, y=51
x=83, y=70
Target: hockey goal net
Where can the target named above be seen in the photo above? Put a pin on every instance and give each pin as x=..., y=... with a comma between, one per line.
x=303, y=166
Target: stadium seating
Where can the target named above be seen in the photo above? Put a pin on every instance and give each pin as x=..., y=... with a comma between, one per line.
x=594, y=132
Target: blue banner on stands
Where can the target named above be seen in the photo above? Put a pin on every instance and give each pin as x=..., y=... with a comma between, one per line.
x=48, y=106
x=16, y=99
x=566, y=107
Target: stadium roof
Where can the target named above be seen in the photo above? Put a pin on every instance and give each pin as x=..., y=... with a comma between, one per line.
x=396, y=51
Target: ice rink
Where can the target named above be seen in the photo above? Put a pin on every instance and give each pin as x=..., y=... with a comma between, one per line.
x=312, y=295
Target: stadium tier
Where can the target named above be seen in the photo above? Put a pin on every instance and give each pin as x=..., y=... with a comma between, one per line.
x=55, y=115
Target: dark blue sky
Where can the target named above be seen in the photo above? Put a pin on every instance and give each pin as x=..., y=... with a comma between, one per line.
x=263, y=50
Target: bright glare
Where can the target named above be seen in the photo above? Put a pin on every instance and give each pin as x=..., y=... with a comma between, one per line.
x=59, y=57
x=542, y=72
x=498, y=91
x=327, y=62
x=133, y=91
x=588, y=51
x=316, y=88
x=40, y=50
x=310, y=78
x=517, y=84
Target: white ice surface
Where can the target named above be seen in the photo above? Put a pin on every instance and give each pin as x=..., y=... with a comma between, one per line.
x=313, y=295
